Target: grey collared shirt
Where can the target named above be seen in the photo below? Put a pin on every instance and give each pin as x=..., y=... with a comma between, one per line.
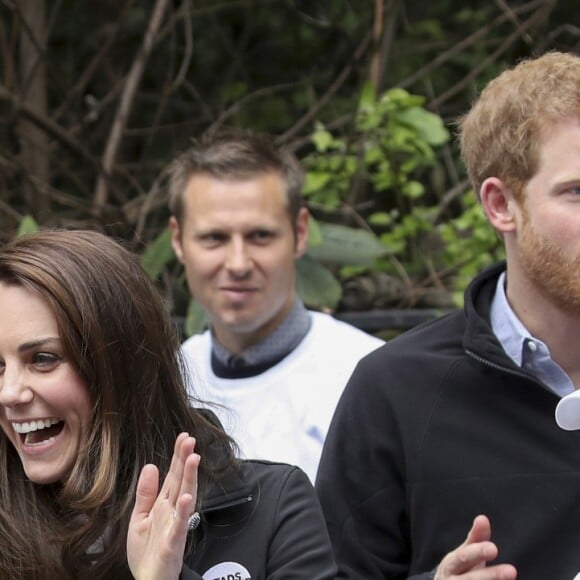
x=527, y=352
x=275, y=346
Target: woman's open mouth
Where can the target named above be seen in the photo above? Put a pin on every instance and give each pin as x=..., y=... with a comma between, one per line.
x=38, y=431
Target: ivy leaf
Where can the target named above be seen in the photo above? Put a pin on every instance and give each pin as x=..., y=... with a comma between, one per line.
x=28, y=225
x=413, y=189
x=398, y=98
x=380, y=218
x=315, y=181
x=158, y=254
x=316, y=285
x=314, y=233
x=344, y=245
x=322, y=140
x=426, y=124
x=368, y=97
x=196, y=319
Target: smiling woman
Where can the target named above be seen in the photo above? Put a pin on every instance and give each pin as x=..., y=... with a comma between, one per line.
x=45, y=403
x=94, y=415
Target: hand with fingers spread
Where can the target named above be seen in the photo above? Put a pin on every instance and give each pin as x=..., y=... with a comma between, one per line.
x=469, y=561
x=159, y=523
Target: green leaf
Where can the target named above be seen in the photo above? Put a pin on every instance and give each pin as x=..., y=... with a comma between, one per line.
x=426, y=124
x=368, y=97
x=373, y=153
x=27, y=225
x=316, y=285
x=380, y=218
x=158, y=254
x=322, y=140
x=315, y=181
x=413, y=189
x=352, y=271
x=392, y=243
x=196, y=319
x=398, y=98
x=344, y=245
x=314, y=233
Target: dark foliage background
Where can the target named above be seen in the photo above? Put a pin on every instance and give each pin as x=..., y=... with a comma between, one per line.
x=96, y=97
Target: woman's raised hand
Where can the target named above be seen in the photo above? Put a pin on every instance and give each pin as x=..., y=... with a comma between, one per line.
x=159, y=523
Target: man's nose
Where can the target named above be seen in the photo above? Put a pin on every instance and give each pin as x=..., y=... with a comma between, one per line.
x=239, y=261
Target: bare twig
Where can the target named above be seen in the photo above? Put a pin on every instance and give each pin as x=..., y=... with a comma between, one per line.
x=312, y=113
x=147, y=205
x=48, y=125
x=455, y=192
x=323, y=24
x=384, y=41
x=402, y=272
x=569, y=28
x=33, y=93
x=28, y=17
x=188, y=54
x=433, y=274
x=127, y=97
x=512, y=16
x=466, y=42
x=474, y=73
x=239, y=104
x=375, y=72
x=91, y=67
x=8, y=209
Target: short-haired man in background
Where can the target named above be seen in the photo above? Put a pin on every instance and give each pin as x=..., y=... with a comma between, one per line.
x=449, y=429
x=275, y=369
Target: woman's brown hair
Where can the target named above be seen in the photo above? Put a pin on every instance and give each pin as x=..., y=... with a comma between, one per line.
x=118, y=334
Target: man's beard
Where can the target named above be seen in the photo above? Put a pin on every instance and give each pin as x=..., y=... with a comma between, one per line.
x=554, y=274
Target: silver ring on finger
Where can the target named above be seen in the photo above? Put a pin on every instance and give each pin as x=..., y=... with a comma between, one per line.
x=193, y=521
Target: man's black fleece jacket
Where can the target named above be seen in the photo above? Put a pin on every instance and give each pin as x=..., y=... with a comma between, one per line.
x=440, y=425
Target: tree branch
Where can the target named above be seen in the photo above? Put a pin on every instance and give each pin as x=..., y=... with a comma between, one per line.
x=339, y=81
x=466, y=42
x=48, y=125
x=531, y=21
x=91, y=67
x=247, y=99
x=127, y=97
x=512, y=16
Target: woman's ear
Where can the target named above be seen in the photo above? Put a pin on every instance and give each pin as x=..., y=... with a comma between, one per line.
x=498, y=204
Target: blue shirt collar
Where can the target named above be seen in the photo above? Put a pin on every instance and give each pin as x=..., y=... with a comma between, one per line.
x=526, y=351
x=507, y=327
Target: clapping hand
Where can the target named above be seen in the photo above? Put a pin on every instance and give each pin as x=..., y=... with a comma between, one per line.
x=159, y=522
x=470, y=560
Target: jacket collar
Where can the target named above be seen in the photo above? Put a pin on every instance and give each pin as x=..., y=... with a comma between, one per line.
x=479, y=337
x=232, y=489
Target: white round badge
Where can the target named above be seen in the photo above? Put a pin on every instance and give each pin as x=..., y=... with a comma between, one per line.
x=227, y=571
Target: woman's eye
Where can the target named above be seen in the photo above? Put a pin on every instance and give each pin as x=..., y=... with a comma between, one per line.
x=573, y=189
x=45, y=359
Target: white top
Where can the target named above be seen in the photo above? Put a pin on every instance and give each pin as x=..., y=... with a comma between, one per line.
x=283, y=414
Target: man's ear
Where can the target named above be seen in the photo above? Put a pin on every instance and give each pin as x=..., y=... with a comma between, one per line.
x=301, y=232
x=176, y=238
x=498, y=204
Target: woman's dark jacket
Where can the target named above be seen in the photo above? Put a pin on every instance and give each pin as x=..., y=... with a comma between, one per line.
x=261, y=522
